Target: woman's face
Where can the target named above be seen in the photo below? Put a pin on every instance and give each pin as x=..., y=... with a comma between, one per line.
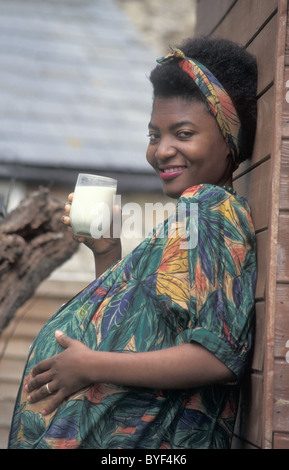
x=186, y=147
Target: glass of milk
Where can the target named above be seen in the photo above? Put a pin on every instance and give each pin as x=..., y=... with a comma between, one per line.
x=92, y=205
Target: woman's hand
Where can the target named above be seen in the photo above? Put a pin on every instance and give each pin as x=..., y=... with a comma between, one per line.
x=100, y=245
x=60, y=376
x=106, y=250
x=179, y=367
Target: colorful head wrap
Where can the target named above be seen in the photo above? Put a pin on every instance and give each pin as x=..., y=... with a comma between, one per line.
x=215, y=97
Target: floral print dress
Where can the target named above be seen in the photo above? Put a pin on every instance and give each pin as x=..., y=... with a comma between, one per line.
x=168, y=291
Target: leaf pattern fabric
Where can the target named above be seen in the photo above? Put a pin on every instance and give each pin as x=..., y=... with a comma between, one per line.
x=156, y=297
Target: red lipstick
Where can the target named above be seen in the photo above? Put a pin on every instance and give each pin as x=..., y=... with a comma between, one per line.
x=171, y=172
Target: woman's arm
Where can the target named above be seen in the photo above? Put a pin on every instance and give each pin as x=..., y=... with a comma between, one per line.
x=107, y=258
x=180, y=367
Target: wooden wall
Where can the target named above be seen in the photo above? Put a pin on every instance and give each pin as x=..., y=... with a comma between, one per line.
x=262, y=26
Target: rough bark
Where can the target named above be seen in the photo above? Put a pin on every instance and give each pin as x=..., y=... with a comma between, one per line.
x=33, y=242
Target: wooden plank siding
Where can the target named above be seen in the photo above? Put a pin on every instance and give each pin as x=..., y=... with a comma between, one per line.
x=262, y=27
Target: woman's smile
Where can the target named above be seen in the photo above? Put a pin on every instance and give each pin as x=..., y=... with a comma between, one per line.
x=169, y=172
x=186, y=147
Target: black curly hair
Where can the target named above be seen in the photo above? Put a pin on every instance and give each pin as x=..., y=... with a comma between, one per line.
x=233, y=66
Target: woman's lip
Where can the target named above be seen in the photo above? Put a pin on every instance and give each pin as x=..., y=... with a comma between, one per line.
x=171, y=172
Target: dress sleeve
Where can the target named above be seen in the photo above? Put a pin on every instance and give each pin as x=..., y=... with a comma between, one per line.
x=222, y=277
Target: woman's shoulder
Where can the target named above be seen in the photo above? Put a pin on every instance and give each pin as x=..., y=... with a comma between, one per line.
x=212, y=194
x=217, y=204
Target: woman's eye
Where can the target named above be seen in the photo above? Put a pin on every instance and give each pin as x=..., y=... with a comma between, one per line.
x=153, y=137
x=185, y=134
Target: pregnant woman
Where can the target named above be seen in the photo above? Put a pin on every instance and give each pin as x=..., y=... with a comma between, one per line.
x=151, y=354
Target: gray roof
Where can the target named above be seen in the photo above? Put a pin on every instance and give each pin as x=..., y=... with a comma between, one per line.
x=74, y=89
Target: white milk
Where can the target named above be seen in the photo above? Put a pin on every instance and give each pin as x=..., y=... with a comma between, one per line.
x=91, y=210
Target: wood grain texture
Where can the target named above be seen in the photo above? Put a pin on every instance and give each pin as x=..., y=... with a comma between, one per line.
x=283, y=248
x=269, y=402
x=284, y=177
x=245, y=19
x=281, y=396
x=255, y=186
x=210, y=13
x=281, y=440
x=281, y=348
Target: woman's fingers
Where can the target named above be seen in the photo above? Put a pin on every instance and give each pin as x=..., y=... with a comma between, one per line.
x=42, y=392
x=40, y=375
x=67, y=208
x=54, y=398
x=42, y=387
x=65, y=218
x=41, y=367
x=37, y=387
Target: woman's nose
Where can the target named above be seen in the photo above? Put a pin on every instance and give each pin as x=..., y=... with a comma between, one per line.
x=165, y=149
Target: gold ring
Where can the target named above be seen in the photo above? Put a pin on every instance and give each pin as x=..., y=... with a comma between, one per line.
x=47, y=389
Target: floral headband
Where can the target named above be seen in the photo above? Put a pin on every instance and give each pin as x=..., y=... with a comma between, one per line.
x=215, y=97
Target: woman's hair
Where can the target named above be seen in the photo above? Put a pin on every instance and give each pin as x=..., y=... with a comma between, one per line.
x=234, y=68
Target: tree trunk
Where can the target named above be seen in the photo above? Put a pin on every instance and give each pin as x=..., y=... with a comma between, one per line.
x=33, y=243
